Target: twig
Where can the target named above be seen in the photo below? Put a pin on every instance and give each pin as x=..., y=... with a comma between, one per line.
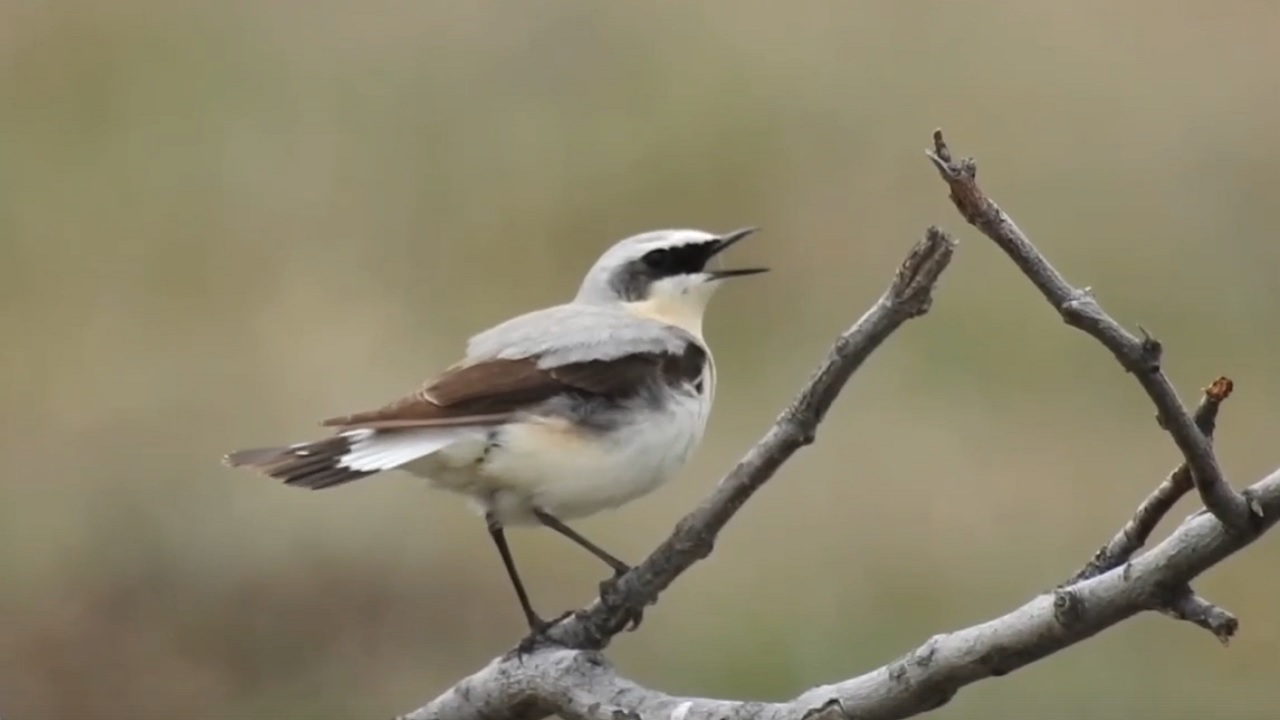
x=1188, y=606
x=908, y=296
x=583, y=686
x=1135, y=533
x=1140, y=356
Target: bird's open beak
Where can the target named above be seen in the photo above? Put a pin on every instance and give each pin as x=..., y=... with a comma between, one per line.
x=723, y=244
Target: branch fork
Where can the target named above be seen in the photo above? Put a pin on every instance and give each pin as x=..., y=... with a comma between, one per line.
x=571, y=679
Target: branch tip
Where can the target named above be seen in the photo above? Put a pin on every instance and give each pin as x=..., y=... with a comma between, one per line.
x=940, y=146
x=1219, y=390
x=913, y=283
x=1190, y=607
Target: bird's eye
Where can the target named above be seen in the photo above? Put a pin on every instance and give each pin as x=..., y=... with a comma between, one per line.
x=661, y=260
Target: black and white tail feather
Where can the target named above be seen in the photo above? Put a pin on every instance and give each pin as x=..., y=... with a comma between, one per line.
x=344, y=457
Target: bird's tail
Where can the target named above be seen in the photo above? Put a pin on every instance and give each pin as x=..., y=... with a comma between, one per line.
x=344, y=457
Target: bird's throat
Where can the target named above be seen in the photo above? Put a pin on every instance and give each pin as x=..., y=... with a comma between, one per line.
x=683, y=312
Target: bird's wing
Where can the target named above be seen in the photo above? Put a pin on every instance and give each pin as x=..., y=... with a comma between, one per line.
x=534, y=357
x=572, y=333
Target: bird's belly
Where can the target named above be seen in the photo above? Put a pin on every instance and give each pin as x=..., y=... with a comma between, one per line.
x=570, y=472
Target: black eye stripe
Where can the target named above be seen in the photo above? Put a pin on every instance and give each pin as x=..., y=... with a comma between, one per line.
x=678, y=260
x=660, y=259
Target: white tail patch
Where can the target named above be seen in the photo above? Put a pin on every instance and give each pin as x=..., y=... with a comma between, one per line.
x=374, y=450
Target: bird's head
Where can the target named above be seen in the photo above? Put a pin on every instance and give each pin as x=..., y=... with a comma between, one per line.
x=666, y=274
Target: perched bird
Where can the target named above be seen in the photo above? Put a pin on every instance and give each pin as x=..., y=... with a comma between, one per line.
x=555, y=414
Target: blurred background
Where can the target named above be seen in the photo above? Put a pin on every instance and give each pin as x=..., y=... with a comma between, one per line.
x=221, y=221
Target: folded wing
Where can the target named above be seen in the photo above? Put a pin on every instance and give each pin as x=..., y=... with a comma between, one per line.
x=497, y=382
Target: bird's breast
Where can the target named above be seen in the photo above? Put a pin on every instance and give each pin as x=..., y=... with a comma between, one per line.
x=573, y=470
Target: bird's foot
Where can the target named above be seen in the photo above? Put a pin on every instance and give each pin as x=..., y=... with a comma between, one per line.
x=611, y=597
x=537, y=637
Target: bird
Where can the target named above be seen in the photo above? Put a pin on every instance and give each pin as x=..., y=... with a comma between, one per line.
x=555, y=414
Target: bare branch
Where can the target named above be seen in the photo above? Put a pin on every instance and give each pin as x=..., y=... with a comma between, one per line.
x=1182, y=603
x=908, y=296
x=1192, y=608
x=1135, y=533
x=577, y=685
x=1140, y=356
x=573, y=680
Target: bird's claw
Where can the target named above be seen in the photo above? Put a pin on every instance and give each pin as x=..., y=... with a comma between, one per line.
x=537, y=637
x=610, y=597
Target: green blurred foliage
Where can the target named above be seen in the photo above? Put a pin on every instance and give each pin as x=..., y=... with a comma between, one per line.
x=220, y=221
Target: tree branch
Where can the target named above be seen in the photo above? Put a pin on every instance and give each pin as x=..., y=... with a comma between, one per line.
x=1140, y=356
x=1135, y=533
x=573, y=680
x=1187, y=606
x=1182, y=603
x=578, y=685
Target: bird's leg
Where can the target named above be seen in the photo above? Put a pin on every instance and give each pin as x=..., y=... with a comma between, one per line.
x=554, y=523
x=609, y=586
x=536, y=624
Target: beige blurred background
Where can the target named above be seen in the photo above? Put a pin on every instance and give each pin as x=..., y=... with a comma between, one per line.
x=221, y=220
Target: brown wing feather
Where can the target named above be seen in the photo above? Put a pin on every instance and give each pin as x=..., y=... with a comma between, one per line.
x=491, y=392
x=484, y=393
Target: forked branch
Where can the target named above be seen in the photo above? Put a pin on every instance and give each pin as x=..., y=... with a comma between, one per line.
x=1135, y=533
x=1077, y=306
x=1141, y=357
x=572, y=679
x=576, y=685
